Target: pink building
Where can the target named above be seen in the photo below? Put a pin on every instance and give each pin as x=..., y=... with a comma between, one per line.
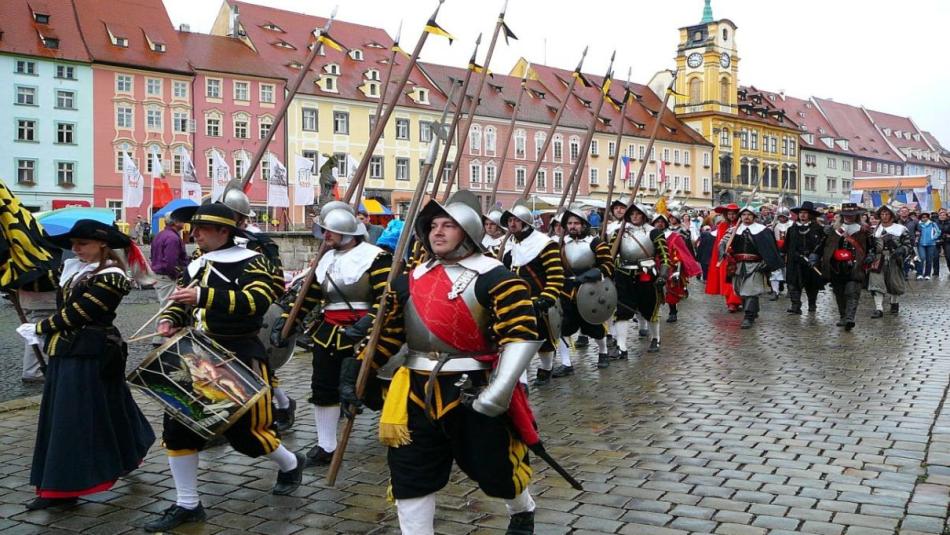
x=236, y=96
x=142, y=95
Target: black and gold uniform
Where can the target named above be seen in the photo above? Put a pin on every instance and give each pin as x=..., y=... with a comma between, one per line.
x=602, y=266
x=539, y=265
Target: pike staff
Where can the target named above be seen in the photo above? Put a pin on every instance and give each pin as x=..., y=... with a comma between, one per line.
x=617, y=141
x=511, y=130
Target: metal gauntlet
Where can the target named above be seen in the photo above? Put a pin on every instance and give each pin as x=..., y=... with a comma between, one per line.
x=514, y=359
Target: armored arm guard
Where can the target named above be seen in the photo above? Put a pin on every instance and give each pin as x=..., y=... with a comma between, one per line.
x=514, y=359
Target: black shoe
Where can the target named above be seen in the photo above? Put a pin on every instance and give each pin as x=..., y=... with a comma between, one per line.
x=603, y=360
x=895, y=308
x=877, y=314
x=671, y=318
x=38, y=504
x=284, y=418
x=840, y=323
x=623, y=355
x=521, y=524
x=654, y=346
x=812, y=306
x=611, y=342
x=175, y=516
x=795, y=310
x=849, y=325
x=542, y=377
x=582, y=341
x=613, y=353
x=562, y=371
x=747, y=323
x=643, y=333
x=287, y=482
x=318, y=456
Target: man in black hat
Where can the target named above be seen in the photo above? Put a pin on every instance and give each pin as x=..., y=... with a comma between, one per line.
x=804, y=242
x=228, y=303
x=844, y=259
x=756, y=255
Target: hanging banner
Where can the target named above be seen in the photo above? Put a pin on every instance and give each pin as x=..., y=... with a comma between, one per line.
x=277, y=184
x=190, y=188
x=303, y=171
x=133, y=183
x=220, y=175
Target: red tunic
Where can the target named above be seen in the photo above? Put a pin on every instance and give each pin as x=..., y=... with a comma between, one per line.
x=716, y=283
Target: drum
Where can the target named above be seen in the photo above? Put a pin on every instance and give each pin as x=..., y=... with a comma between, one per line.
x=198, y=382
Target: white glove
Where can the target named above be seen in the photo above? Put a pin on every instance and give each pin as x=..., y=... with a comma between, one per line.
x=28, y=332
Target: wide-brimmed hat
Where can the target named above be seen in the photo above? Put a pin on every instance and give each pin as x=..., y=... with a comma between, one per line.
x=215, y=214
x=731, y=207
x=850, y=208
x=90, y=229
x=806, y=206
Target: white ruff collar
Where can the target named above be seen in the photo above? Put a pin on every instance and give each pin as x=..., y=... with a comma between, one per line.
x=232, y=254
x=74, y=269
x=896, y=229
x=349, y=266
x=525, y=251
x=585, y=239
x=478, y=263
x=754, y=228
x=488, y=241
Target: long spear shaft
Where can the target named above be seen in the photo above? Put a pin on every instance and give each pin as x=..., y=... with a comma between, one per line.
x=15, y=299
x=643, y=163
x=381, y=121
x=396, y=270
x=511, y=131
x=456, y=115
x=613, y=167
x=467, y=125
x=282, y=112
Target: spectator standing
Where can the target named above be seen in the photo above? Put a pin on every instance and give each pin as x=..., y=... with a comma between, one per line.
x=928, y=232
x=168, y=261
x=373, y=232
x=943, y=242
x=137, y=229
x=595, y=220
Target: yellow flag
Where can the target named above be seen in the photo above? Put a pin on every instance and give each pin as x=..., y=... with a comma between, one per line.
x=24, y=253
x=326, y=40
x=606, y=87
x=660, y=206
x=433, y=27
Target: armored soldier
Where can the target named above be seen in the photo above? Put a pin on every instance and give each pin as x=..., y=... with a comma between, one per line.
x=753, y=251
x=228, y=303
x=617, y=207
x=844, y=259
x=494, y=233
x=462, y=315
x=804, y=243
x=535, y=257
x=347, y=285
x=891, y=245
x=586, y=260
x=641, y=273
x=682, y=260
x=780, y=230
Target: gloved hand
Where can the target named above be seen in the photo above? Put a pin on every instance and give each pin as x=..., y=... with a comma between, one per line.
x=812, y=259
x=276, y=330
x=349, y=371
x=591, y=275
x=356, y=332
x=542, y=303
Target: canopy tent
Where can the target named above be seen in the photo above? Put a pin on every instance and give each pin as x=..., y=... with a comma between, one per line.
x=374, y=207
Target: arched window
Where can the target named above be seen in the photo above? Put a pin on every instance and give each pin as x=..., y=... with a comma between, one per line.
x=490, y=137
x=724, y=89
x=333, y=69
x=475, y=139
x=695, y=90
x=558, y=144
x=575, y=148
x=725, y=140
x=539, y=138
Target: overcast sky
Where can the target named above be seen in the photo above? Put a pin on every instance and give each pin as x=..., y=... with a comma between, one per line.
x=888, y=56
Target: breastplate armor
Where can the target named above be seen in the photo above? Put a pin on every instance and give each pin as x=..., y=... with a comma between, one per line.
x=636, y=245
x=578, y=256
x=358, y=294
x=420, y=339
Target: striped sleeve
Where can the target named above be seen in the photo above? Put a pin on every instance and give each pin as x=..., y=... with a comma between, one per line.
x=177, y=313
x=553, y=271
x=393, y=333
x=378, y=277
x=90, y=304
x=514, y=319
x=255, y=295
x=604, y=262
x=662, y=249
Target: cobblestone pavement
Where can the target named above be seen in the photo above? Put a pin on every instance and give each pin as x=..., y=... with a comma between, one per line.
x=793, y=427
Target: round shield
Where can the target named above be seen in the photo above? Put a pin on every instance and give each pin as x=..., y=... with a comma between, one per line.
x=554, y=319
x=276, y=356
x=597, y=301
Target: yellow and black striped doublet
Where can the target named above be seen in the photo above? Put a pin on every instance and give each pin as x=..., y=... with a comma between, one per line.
x=90, y=302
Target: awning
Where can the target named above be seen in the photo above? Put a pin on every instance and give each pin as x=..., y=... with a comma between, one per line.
x=550, y=202
x=887, y=183
x=65, y=203
x=374, y=207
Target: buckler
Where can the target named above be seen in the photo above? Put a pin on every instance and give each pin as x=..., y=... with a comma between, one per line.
x=742, y=257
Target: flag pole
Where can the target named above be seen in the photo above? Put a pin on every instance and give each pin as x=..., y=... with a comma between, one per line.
x=617, y=141
x=511, y=130
x=467, y=124
x=15, y=299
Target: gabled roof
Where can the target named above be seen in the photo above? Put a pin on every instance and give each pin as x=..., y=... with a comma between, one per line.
x=810, y=121
x=911, y=138
x=143, y=23
x=296, y=30
x=853, y=124
x=226, y=55
x=22, y=34
x=761, y=106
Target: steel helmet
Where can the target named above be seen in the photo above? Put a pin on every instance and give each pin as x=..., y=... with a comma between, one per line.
x=495, y=217
x=341, y=221
x=573, y=210
x=520, y=211
x=463, y=208
x=235, y=199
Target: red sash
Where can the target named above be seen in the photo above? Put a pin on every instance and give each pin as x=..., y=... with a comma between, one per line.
x=343, y=317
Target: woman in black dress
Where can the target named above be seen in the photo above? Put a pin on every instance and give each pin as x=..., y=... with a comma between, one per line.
x=90, y=430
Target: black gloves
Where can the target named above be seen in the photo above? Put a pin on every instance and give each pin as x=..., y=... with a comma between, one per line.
x=591, y=275
x=542, y=304
x=356, y=332
x=349, y=371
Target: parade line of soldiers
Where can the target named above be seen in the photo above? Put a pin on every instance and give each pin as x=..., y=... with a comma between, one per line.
x=482, y=296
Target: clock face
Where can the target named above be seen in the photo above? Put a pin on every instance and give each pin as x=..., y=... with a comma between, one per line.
x=694, y=60
x=725, y=60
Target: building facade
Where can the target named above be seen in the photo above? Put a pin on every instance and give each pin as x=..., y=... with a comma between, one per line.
x=47, y=132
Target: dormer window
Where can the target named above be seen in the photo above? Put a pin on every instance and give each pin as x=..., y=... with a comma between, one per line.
x=423, y=95
x=284, y=44
x=374, y=44
x=916, y=137
x=373, y=75
x=154, y=45
x=273, y=27
x=329, y=84
x=121, y=41
x=333, y=69
x=887, y=131
x=49, y=39
x=40, y=12
x=295, y=65
x=497, y=88
x=373, y=90
x=356, y=54
x=116, y=38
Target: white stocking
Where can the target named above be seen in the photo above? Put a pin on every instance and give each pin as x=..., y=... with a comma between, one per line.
x=621, y=328
x=601, y=345
x=564, y=352
x=775, y=287
x=654, y=327
x=280, y=397
x=522, y=503
x=417, y=515
x=286, y=461
x=326, y=418
x=547, y=360
x=878, y=300
x=185, y=473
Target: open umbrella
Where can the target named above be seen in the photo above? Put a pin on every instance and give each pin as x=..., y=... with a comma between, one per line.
x=167, y=209
x=57, y=222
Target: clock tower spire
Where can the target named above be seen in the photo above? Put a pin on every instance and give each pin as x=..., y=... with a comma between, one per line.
x=707, y=13
x=708, y=66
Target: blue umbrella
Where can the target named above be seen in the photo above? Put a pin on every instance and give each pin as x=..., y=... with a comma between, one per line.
x=57, y=222
x=167, y=209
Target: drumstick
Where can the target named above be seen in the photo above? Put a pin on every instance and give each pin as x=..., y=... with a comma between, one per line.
x=159, y=313
x=140, y=338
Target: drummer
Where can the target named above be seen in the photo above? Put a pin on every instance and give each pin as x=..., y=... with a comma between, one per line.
x=228, y=304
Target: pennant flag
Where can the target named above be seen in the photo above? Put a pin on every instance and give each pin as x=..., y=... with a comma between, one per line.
x=190, y=188
x=161, y=192
x=857, y=196
x=326, y=40
x=876, y=200
x=24, y=253
x=277, y=183
x=478, y=69
x=399, y=50
x=508, y=33
x=220, y=175
x=580, y=78
x=133, y=184
x=433, y=27
x=617, y=103
x=303, y=187
x=351, y=165
x=660, y=206
x=606, y=87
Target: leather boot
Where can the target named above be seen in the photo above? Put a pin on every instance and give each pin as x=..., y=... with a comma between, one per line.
x=603, y=360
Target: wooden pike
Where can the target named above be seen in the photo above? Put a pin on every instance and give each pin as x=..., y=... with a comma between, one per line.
x=617, y=141
x=511, y=130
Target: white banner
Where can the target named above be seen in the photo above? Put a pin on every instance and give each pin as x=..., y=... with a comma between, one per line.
x=277, y=184
x=133, y=183
x=220, y=175
x=303, y=171
x=190, y=188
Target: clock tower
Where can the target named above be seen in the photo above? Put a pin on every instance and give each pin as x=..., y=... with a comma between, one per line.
x=708, y=66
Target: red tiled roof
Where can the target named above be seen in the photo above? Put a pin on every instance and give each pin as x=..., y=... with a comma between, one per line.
x=851, y=123
x=297, y=31
x=21, y=33
x=138, y=21
x=810, y=121
x=889, y=125
x=226, y=54
x=761, y=106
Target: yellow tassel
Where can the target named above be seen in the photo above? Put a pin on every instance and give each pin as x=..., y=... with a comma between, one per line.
x=394, y=421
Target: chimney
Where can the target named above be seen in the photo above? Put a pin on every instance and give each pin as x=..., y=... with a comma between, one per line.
x=184, y=28
x=781, y=94
x=233, y=22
